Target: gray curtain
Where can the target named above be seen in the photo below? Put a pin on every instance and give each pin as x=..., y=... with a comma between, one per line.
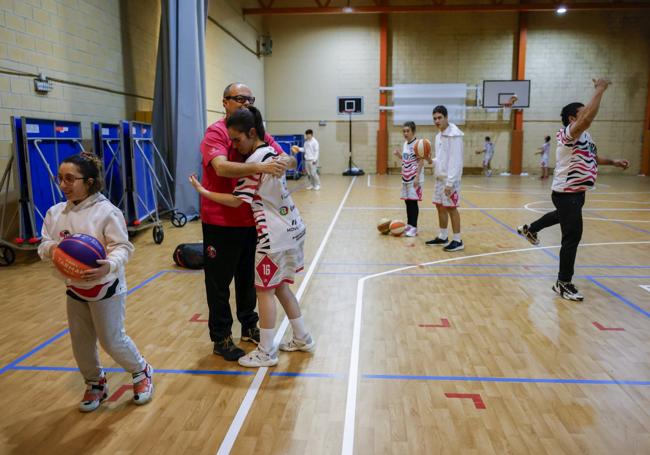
x=179, y=119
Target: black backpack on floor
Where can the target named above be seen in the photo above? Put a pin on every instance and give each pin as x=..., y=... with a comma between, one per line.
x=189, y=255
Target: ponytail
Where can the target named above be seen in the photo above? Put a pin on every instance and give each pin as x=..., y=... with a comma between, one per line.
x=245, y=118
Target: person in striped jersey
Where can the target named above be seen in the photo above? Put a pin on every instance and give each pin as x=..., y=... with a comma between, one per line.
x=280, y=236
x=575, y=173
x=412, y=178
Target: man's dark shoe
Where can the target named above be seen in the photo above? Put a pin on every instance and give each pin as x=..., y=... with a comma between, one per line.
x=227, y=349
x=252, y=335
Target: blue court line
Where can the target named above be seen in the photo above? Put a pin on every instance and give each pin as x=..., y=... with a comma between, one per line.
x=514, y=380
x=618, y=296
x=64, y=332
x=510, y=275
x=121, y=370
x=289, y=374
x=495, y=219
x=33, y=351
x=553, y=266
x=629, y=226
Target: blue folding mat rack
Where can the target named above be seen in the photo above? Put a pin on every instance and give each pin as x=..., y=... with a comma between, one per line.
x=107, y=146
x=148, y=181
x=286, y=142
x=40, y=145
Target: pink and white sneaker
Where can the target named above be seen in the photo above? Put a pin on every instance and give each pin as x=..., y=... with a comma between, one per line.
x=143, y=385
x=96, y=392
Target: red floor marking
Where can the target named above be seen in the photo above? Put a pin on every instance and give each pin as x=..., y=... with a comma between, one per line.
x=196, y=318
x=613, y=329
x=119, y=392
x=475, y=397
x=445, y=324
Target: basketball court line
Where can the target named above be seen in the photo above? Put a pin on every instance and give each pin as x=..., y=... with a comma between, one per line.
x=347, y=447
x=620, y=297
x=378, y=264
x=501, y=190
x=244, y=408
x=510, y=380
x=495, y=219
x=65, y=331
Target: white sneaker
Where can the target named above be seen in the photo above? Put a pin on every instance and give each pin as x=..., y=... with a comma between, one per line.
x=317, y=187
x=411, y=231
x=306, y=345
x=143, y=385
x=258, y=358
x=309, y=187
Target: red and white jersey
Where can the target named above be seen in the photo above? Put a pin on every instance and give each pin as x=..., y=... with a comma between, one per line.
x=410, y=162
x=576, y=167
x=278, y=221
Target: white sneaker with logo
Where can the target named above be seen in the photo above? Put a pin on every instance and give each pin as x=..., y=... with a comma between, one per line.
x=258, y=358
x=296, y=344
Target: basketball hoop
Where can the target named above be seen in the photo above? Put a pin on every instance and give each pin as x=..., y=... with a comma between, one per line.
x=506, y=106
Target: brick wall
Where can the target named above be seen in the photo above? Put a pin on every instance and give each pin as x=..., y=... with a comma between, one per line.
x=104, y=43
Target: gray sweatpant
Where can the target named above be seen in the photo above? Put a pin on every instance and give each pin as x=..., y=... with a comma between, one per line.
x=311, y=166
x=103, y=320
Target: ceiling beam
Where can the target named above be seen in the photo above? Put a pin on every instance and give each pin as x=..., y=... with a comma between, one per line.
x=444, y=8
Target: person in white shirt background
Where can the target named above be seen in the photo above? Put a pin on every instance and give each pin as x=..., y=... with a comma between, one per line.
x=448, y=171
x=488, y=149
x=311, y=150
x=544, y=151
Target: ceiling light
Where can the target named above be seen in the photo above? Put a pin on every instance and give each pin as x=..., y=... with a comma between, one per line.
x=561, y=9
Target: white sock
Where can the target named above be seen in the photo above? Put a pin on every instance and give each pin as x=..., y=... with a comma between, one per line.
x=298, y=326
x=443, y=233
x=457, y=237
x=266, y=339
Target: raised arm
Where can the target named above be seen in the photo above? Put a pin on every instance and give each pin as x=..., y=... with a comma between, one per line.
x=588, y=113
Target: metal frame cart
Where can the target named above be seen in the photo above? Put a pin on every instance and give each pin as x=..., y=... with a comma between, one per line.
x=148, y=181
x=39, y=147
x=286, y=142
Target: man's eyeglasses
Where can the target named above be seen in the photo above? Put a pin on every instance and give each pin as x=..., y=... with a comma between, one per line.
x=241, y=99
x=68, y=179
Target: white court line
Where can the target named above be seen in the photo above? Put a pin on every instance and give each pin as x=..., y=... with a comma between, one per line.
x=247, y=403
x=353, y=379
x=545, y=210
x=429, y=208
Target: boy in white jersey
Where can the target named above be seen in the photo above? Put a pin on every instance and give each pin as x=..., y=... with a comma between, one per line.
x=448, y=171
x=488, y=149
x=412, y=178
x=280, y=237
x=544, y=151
x=575, y=173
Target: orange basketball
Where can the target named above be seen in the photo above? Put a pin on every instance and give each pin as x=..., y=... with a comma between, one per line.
x=422, y=148
x=383, y=226
x=397, y=227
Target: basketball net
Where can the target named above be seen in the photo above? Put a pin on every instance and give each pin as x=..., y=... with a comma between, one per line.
x=507, y=107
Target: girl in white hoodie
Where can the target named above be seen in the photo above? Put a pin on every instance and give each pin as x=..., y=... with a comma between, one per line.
x=96, y=302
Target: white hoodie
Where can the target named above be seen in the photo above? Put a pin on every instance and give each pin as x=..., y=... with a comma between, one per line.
x=94, y=216
x=449, y=155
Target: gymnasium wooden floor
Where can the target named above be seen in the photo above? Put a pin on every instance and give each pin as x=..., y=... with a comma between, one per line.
x=419, y=351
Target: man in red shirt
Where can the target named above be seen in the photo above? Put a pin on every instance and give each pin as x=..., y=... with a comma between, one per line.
x=229, y=234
